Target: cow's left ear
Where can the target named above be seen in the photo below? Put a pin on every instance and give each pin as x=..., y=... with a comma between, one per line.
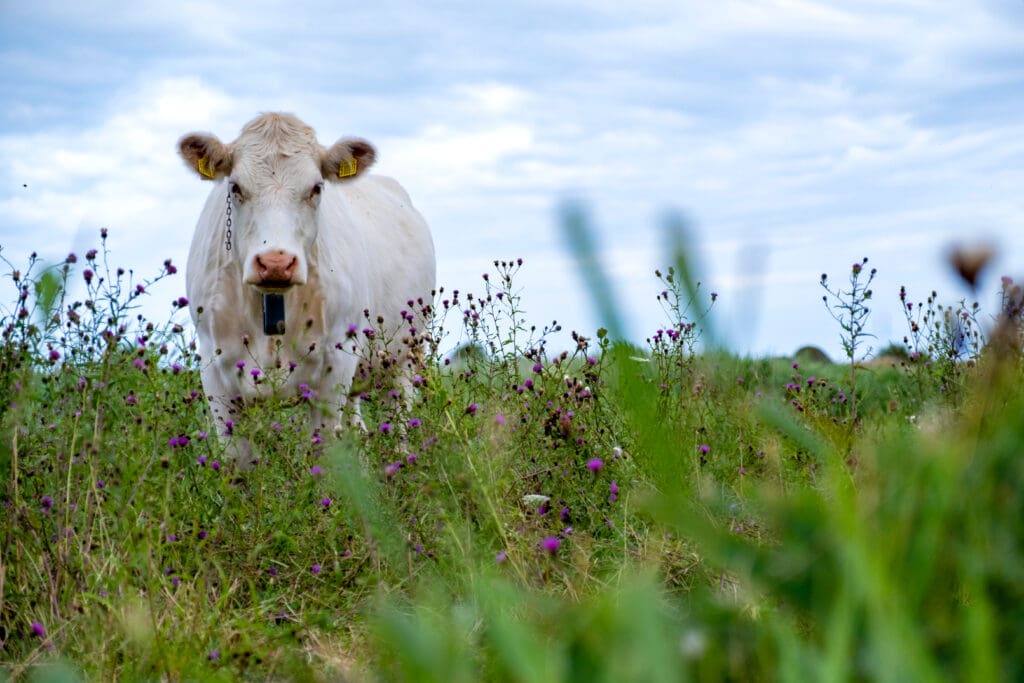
x=206, y=155
x=349, y=158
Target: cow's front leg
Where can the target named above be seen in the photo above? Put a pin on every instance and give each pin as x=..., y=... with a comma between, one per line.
x=334, y=406
x=227, y=408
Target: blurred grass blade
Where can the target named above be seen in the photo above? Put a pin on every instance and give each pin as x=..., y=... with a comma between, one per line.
x=583, y=246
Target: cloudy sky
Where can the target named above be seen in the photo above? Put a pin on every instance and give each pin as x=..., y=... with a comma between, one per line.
x=795, y=136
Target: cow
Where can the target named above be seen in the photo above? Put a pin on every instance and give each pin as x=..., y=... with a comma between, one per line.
x=300, y=261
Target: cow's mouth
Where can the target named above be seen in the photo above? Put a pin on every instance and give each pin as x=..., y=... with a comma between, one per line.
x=274, y=286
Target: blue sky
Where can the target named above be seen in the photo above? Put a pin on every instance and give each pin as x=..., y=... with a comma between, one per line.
x=797, y=136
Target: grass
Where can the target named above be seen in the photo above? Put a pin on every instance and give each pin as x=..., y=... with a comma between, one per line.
x=609, y=512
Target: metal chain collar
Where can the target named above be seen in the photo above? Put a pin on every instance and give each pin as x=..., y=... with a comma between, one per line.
x=227, y=236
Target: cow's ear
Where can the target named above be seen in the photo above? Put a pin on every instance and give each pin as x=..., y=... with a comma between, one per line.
x=349, y=158
x=206, y=155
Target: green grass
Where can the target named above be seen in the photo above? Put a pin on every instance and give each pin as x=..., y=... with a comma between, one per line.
x=608, y=513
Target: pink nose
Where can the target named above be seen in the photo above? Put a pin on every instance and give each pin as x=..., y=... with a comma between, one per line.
x=276, y=267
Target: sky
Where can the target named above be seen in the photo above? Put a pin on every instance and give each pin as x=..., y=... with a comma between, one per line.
x=794, y=137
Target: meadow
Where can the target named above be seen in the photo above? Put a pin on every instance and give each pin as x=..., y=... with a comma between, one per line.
x=607, y=512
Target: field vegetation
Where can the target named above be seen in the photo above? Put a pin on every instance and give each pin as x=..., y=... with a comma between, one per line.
x=606, y=512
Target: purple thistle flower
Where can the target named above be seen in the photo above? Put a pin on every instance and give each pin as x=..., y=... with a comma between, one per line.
x=551, y=544
x=182, y=302
x=213, y=656
x=415, y=422
x=564, y=515
x=202, y=535
x=38, y=630
x=272, y=571
x=315, y=569
x=392, y=469
x=100, y=483
x=411, y=458
x=46, y=502
x=613, y=492
x=537, y=367
x=704, y=448
x=316, y=470
x=471, y=409
x=130, y=399
x=501, y=557
x=499, y=419
x=385, y=427
x=54, y=354
x=326, y=502
x=595, y=465
x=255, y=372
x=215, y=465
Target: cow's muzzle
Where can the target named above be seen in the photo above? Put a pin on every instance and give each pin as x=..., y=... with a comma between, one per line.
x=275, y=269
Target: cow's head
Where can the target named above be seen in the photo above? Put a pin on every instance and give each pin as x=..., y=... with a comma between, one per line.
x=275, y=172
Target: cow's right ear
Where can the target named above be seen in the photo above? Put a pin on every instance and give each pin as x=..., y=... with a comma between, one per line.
x=206, y=155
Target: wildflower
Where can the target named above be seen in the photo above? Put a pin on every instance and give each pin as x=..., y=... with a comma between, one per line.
x=501, y=557
x=325, y=502
x=414, y=422
x=537, y=367
x=88, y=275
x=213, y=656
x=215, y=465
x=535, y=498
x=46, y=502
x=100, y=483
x=139, y=363
x=316, y=470
x=130, y=399
x=595, y=465
x=272, y=571
x=411, y=458
x=704, y=449
x=385, y=427
x=471, y=409
x=614, y=492
x=182, y=302
x=54, y=354
x=564, y=514
x=139, y=289
x=38, y=630
x=171, y=269
x=202, y=535
x=255, y=372
x=617, y=452
x=315, y=569
x=551, y=544
x=499, y=419
x=392, y=469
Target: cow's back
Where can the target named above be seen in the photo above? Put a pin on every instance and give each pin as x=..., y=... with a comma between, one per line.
x=399, y=252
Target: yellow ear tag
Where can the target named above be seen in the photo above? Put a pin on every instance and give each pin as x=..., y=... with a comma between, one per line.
x=347, y=168
x=204, y=168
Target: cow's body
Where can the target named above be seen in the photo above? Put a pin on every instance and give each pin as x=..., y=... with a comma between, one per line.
x=333, y=247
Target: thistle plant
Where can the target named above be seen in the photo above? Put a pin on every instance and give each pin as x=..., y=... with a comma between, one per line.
x=849, y=309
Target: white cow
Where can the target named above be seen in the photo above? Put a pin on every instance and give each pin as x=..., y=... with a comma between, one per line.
x=310, y=224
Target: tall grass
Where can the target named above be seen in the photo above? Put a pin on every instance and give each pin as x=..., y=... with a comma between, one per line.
x=604, y=512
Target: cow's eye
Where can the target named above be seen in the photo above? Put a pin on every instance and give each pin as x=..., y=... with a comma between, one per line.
x=237, y=191
x=316, y=190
